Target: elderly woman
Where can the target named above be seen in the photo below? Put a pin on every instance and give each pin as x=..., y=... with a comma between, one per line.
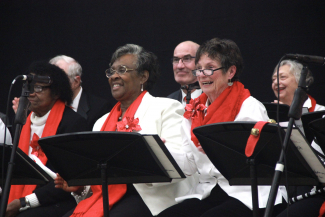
x=49, y=116
x=132, y=73
x=289, y=75
x=219, y=64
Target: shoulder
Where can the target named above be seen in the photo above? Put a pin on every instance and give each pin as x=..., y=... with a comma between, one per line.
x=99, y=123
x=72, y=122
x=252, y=110
x=319, y=107
x=174, y=95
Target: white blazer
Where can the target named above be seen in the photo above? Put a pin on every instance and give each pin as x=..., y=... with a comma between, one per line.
x=209, y=176
x=160, y=116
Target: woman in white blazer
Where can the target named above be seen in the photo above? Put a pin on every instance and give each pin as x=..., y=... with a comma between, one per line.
x=224, y=99
x=132, y=72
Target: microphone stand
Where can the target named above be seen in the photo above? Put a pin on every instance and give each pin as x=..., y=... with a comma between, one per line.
x=295, y=112
x=189, y=89
x=20, y=120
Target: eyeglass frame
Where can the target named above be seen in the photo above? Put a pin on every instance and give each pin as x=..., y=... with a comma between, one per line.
x=115, y=71
x=202, y=70
x=41, y=87
x=174, y=62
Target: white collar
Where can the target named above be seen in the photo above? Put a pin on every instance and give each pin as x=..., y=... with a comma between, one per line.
x=307, y=103
x=38, y=121
x=195, y=94
x=75, y=102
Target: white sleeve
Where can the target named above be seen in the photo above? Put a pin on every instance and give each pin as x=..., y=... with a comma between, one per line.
x=3, y=129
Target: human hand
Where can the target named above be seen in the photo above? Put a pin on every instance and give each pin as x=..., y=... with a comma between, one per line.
x=15, y=104
x=61, y=183
x=13, y=208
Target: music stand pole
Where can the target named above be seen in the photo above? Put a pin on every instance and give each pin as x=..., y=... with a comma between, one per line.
x=20, y=120
x=254, y=187
x=294, y=114
x=103, y=168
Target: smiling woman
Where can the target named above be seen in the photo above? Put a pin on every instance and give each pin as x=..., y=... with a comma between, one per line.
x=289, y=75
x=133, y=71
x=224, y=99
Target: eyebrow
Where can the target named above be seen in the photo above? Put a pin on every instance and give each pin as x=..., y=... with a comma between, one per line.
x=183, y=56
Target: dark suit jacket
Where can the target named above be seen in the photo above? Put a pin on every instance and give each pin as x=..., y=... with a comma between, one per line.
x=48, y=194
x=176, y=95
x=92, y=108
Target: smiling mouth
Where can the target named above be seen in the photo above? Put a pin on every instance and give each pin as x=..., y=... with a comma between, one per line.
x=207, y=83
x=116, y=86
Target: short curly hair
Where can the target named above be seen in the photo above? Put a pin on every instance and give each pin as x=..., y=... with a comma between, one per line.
x=145, y=61
x=60, y=85
x=225, y=51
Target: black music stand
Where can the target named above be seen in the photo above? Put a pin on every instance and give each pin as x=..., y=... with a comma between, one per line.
x=225, y=143
x=307, y=118
x=102, y=158
x=271, y=109
x=26, y=171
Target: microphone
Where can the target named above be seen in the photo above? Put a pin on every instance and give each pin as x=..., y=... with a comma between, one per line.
x=37, y=78
x=306, y=58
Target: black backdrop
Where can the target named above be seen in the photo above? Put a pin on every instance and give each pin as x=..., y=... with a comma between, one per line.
x=90, y=31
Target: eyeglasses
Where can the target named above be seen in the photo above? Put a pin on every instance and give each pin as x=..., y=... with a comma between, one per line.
x=206, y=72
x=38, y=88
x=185, y=59
x=120, y=70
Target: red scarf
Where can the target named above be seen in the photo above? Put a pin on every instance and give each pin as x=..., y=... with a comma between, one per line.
x=225, y=108
x=51, y=126
x=93, y=206
x=313, y=104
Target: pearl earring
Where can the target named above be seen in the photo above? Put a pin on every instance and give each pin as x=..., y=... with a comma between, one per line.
x=230, y=83
x=141, y=87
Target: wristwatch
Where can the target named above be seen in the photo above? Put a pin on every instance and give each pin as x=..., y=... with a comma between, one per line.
x=24, y=203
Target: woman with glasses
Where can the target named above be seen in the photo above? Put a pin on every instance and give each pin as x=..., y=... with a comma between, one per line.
x=133, y=71
x=218, y=66
x=49, y=116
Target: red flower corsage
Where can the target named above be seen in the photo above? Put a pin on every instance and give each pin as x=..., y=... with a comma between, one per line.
x=128, y=125
x=37, y=150
x=193, y=108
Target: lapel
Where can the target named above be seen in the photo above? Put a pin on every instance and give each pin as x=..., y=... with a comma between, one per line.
x=83, y=107
x=179, y=97
x=144, y=106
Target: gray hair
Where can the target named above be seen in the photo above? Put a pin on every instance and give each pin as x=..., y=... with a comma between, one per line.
x=74, y=68
x=146, y=61
x=295, y=69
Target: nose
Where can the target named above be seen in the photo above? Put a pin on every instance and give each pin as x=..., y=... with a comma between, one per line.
x=114, y=76
x=32, y=94
x=180, y=64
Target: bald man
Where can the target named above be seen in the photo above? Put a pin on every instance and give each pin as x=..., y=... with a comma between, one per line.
x=87, y=105
x=183, y=64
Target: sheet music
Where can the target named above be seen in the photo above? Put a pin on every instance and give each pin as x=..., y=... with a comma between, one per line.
x=169, y=167
x=22, y=157
x=41, y=165
x=308, y=154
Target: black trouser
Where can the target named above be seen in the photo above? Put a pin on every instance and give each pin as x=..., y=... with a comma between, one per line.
x=218, y=204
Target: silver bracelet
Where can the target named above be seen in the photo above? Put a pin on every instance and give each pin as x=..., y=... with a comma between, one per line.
x=82, y=195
